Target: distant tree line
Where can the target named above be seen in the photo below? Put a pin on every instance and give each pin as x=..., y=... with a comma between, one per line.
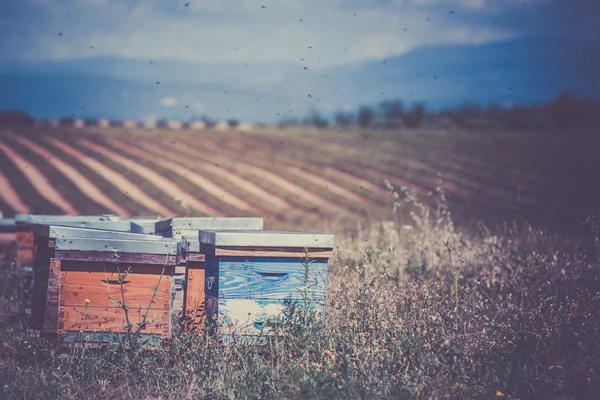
x=564, y=112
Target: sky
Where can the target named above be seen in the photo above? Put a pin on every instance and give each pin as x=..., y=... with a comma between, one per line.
x=217, y=36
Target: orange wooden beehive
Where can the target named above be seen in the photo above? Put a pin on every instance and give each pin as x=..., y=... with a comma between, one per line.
x=91, y=285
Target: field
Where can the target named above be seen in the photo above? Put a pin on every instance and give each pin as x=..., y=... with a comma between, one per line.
x=424, y=301
x=297, y=177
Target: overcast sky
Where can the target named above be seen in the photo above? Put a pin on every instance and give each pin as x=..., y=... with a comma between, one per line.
x=322, y=32
x=259, y=59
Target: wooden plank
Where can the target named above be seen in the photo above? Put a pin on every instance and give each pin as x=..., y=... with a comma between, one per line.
x=111, y=267
x=269, y=278
x=8, y=239
x=43, y=218
x=272, y=252
x=195, y=298
x=52, y=231
x=109, y=256
x=193, y=225
x=267, y=239
x=252, y=317
x=52, y=297
x=25, y=239
x=179, y=289
x=41, y=266
x=100, y=287
x=25, y=256
x=111, y=319
x=195, y=257
x=165, y=246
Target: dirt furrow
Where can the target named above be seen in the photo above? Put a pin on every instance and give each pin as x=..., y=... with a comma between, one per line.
x=328, y=185
x=294, y=189
x=11, y=197
x=355, y=180
x=89, y=188
x=119, y=181
x=396, y=180
x=273, y=201
x=39, y=181
x=192, y=176
x=164, y=183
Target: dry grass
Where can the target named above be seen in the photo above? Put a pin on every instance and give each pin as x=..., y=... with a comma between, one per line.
x=416, y=309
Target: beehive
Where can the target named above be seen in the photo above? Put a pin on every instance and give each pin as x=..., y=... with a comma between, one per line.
x=79, y=294
x=8, y=232
x=189, y=274
x=256, y=278
x=24, y=223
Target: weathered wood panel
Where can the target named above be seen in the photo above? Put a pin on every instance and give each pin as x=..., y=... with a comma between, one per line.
x=100, y=287
x=53, y=231
x=179, y=289
x=272, y=252
x=254, y=317
x=164, y=246
x=25, y=239
x=191, y=226
x=112, y=319
x=41, y=265
x=269, y=278
x=25, y=256
x=195, y=298
x=109, y=256
x=271, y=239
x=52, y=297
x=195, y=257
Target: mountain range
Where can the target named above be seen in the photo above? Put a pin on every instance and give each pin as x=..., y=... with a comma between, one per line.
x=523, y=71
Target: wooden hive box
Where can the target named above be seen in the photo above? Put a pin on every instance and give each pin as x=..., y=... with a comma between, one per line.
x=189, y=274
x=77, y=265
x=256, y=278
x=24, y=225
x=8, y=232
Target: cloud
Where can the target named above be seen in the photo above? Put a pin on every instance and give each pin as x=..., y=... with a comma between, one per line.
x=168, y=101
x=311, y=33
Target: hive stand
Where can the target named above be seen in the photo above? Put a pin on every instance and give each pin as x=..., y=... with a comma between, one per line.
x=257, y=279
x=81, y=284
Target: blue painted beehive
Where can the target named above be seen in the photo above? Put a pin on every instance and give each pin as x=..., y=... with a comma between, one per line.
x=189, y=273
x=256, y=281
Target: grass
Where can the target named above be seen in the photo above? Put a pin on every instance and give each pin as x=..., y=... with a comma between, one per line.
x=416, y=309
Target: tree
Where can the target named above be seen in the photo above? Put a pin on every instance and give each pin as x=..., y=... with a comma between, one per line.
x=392, y=110
x=343, y=119
x=494, y=112
x=15, y=118
x=563, y=110
x=315, y=119
x=414, y=117
x=365, y=116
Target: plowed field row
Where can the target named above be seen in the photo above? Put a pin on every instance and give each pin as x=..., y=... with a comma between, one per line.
x=287, y=179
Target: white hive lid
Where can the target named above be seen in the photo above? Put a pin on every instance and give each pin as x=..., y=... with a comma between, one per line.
x=195, y=224
x=230, y=238
x=54, y=231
